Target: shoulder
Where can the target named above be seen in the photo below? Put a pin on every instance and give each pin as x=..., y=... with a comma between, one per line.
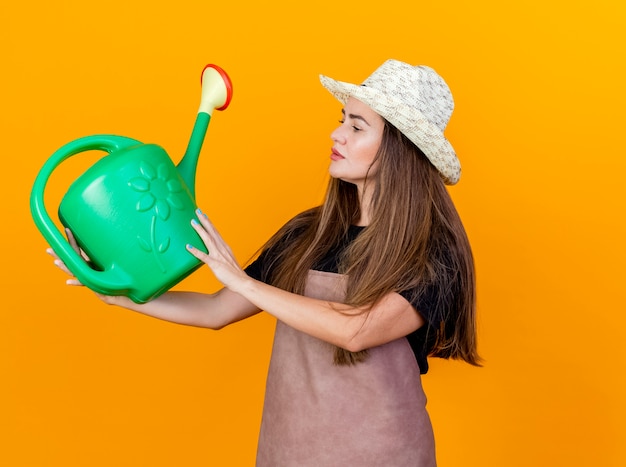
x=282, y=240
x=293, y=228
x=301, y=221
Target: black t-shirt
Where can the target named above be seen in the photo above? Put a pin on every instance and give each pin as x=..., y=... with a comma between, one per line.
x=421, y=340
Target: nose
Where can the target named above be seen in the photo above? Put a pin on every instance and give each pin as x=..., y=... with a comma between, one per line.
x=337, y=135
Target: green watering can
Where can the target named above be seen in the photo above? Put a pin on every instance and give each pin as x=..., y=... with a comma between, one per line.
x=131, y=211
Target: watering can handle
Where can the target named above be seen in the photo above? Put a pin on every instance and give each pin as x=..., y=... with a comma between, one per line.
x=100, y=281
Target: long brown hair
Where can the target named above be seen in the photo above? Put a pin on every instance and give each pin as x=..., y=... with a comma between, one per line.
x=415, y=240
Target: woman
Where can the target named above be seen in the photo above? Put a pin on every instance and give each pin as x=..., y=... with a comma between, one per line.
x=364, y=287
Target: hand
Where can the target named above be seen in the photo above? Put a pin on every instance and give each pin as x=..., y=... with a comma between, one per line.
x=73, y=280
x=220, y=258
x=61, y=265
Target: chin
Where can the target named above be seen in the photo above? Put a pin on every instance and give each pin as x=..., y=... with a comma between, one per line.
x=333, y=173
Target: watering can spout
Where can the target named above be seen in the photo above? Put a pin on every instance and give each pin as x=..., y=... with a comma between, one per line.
x=217, y=91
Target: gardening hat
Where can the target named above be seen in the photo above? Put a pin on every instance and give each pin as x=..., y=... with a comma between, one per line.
x=414, y=99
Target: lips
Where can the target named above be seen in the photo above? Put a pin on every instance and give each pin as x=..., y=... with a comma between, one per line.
x=336, y=155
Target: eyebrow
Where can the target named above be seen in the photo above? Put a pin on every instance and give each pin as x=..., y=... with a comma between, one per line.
x=355, y=117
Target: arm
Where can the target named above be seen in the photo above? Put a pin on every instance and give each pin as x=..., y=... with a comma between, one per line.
x=347, y=327
x=212, y=311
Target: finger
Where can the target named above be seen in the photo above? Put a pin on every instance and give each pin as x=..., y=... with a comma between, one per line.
x=201, y=231
x=207, y=232
x=219, y=250
x=215, y=245
x=201, y=215
x=52, y=253
x=58, y=262
x=72, y=240
x=207, y=224
x=61, y=265
x=74, y=244
x=201, y=255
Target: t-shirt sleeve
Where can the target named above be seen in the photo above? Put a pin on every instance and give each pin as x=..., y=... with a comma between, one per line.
x=263, y=266
x=255, y=269
x=423, y=339
x=424, y=303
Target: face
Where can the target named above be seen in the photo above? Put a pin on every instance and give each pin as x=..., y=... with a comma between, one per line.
x=355, y=144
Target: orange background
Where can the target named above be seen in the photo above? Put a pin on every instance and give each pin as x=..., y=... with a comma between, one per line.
x=538, y=126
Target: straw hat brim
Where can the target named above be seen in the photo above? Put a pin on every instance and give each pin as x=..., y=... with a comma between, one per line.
x=412, y=123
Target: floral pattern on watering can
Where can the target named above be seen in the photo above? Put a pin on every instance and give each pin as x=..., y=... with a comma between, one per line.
x=160, y=191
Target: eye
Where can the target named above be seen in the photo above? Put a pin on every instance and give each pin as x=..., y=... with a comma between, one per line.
x=354, y=127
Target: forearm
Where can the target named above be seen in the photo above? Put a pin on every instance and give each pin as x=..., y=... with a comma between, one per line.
x=213, y=311
x=335, y=323
x=342, y=325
